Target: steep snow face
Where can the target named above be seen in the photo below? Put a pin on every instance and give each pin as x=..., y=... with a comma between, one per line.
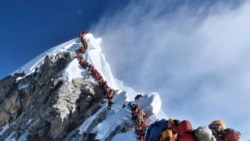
x=151, y=103
x=117, y=116
x=96, y=58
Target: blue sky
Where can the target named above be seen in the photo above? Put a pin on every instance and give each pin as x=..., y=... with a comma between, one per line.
x=195, y=53
x=27, y=28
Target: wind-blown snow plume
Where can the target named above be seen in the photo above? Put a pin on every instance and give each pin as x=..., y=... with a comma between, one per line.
x=195, y=54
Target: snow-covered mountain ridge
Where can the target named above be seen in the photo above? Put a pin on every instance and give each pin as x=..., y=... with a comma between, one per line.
x=53, y=98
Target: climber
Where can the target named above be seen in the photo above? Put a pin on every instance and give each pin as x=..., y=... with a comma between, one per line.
x=140, y=125
x=84, y=43
x=138, y=116
x=220, y=131
x=110, y=103
x=134, y=108
x=81, y=50
x=103, y=84
x=138, y=96
x=82, y=33
x=84, y=63
x=109, y=92
x=124, y=105
x=217, y=126
x=168, y=133
x=79, y=55
x=98, y=77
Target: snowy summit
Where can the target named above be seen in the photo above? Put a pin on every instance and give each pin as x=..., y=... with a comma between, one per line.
x=63, y=89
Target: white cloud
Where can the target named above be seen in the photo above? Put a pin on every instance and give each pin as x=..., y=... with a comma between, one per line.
x=195, y=55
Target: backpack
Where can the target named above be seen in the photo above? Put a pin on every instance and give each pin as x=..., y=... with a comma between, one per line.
x=156, y=129
x=183, y=127
x=231, y=135
x=203, y=133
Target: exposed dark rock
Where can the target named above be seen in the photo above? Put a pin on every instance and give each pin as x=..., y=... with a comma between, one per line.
x=48, y=107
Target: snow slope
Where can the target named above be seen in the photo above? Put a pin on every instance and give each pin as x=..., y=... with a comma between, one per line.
x=151, y=103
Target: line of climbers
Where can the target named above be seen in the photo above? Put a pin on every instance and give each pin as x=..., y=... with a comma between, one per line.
x=176, y=130
x=160, y=130
x=108, y=91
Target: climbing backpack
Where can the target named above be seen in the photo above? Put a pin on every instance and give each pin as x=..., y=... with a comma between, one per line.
x=203, y=133
x=184, y=131
x=156, y=129
x=231, y=135
x=183, y=127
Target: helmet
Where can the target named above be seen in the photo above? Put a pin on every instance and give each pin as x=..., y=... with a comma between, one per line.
x=217, y=126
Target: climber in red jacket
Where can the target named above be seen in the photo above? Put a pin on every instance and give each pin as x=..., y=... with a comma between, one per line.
x=97, y=76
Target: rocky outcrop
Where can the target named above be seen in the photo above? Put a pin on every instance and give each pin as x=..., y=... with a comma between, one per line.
x=43, y=106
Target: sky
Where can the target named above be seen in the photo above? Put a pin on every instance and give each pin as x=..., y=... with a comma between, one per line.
x=194, y=53
x=28, y=28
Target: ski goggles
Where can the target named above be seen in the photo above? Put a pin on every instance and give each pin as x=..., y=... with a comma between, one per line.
x=215, y=128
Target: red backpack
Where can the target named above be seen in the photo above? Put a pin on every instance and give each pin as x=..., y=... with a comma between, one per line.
x=183, y=127
x=184, y=131
x=231, y=135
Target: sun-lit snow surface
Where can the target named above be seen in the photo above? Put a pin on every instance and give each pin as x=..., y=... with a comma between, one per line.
x=96, y=58
x=151, y=103
x=31, y=66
